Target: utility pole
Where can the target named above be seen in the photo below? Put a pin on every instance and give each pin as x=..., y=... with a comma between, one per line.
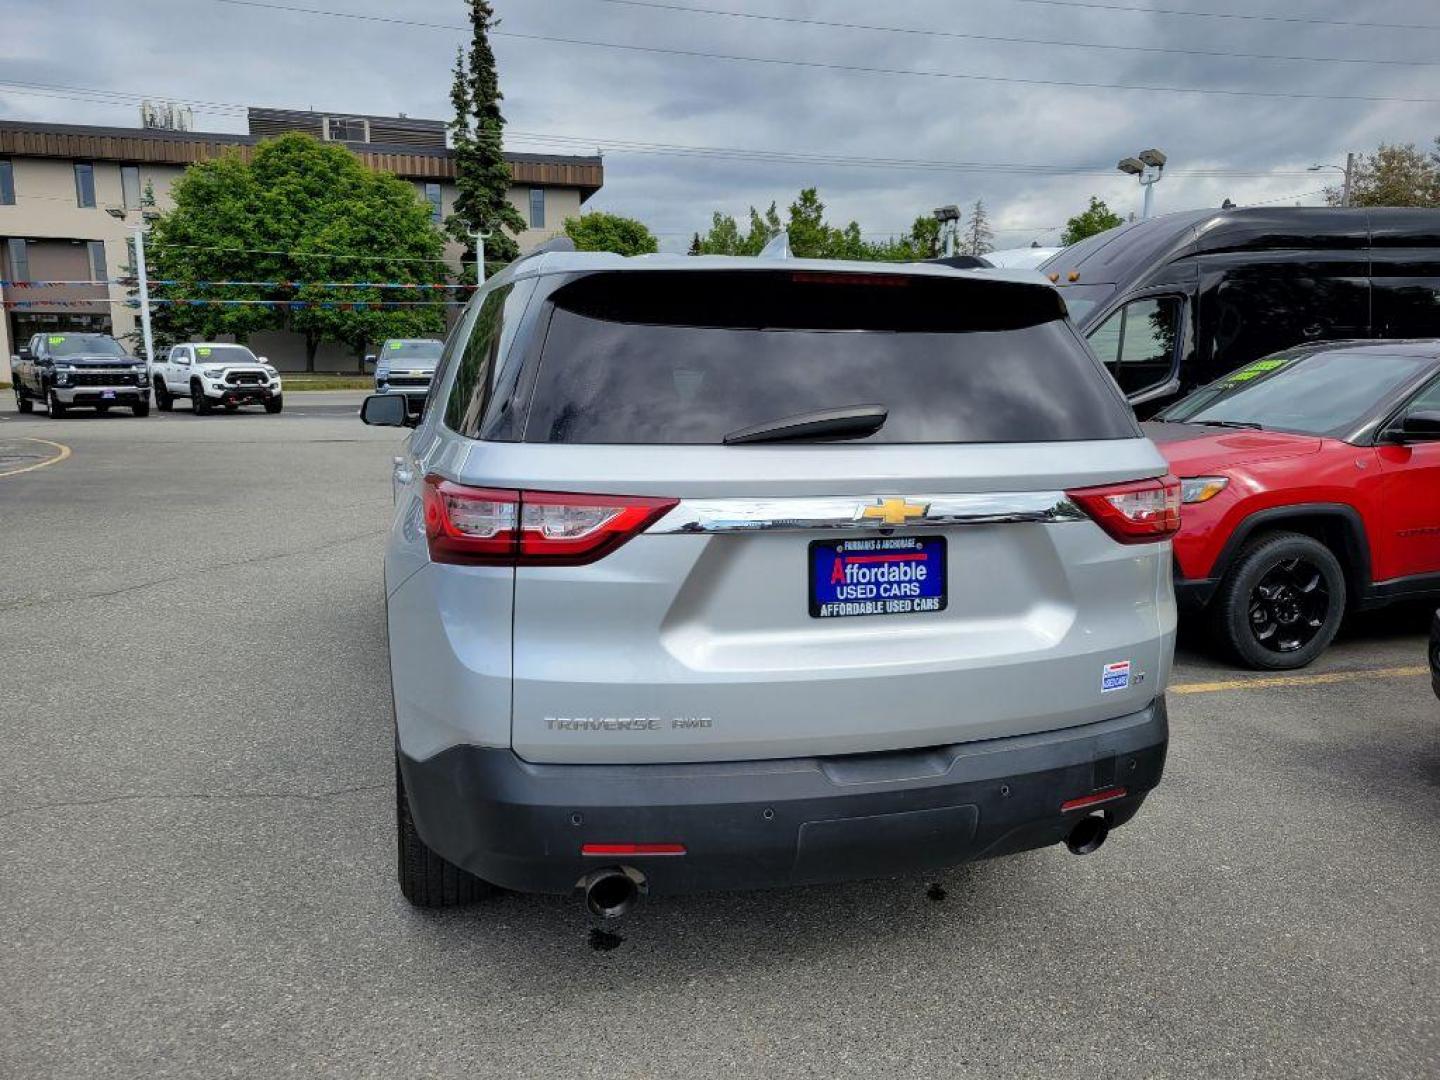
x=1349, y=177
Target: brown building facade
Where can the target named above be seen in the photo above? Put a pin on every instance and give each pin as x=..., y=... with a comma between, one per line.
x=57, y=181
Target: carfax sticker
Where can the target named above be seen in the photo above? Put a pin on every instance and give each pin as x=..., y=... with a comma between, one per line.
x=1115, y=676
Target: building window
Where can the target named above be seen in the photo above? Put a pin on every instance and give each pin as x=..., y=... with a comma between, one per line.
x=84, y=184
x=537, y=208
x=7, y=182
x=19, y=261
x=432, y=196
x=97, y=259
x=347, y=129
x=130, y=186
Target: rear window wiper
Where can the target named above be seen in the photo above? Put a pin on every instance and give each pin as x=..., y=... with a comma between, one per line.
x=849, y=422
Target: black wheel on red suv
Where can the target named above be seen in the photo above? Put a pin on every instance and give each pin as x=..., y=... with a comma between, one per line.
x=1281, y=604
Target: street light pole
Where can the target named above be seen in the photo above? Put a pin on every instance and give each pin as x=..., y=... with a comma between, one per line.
x=121, y=213
x=1148, y=167
x=1349, y=171
x=140, y=273
x=480, y=238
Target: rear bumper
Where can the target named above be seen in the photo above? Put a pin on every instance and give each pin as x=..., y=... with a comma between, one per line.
x=757, y=824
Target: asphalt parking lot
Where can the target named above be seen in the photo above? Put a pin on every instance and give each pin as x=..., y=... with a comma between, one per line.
x=196, y=837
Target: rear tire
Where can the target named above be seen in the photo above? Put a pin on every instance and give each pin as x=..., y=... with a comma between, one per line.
x=22, y=401
x=164, y=401
x=199, y=403
x=1282, y=602
x=56, y=406
x=274, y=405
x=427, y=880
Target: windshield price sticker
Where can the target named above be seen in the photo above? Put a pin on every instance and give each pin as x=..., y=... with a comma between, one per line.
x=1255, y=370
x=203, y=351
x=57, y=340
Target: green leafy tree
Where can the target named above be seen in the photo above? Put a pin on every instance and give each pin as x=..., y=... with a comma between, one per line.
x=1394, y=176
x=725, y=237
x=920, y=243
x=1096, y=218
x=811, y=236
x=298, y=213
x=976, y=238
x=599, y=231
x=482, y=178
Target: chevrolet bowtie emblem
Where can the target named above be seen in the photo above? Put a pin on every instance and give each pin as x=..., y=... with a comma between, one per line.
x=894, y=511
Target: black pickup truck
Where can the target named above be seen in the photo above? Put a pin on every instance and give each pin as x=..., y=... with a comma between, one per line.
x=66, y=371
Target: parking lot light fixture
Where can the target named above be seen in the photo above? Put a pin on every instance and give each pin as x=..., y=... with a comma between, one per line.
x=1148, y=167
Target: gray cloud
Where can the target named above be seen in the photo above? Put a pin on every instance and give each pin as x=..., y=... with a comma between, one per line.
x=197, y=49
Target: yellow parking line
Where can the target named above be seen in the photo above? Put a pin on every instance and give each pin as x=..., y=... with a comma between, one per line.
x=61, y=456
x=1266, y=682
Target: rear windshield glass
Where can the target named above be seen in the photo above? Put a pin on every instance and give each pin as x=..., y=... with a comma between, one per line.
x=689, y=357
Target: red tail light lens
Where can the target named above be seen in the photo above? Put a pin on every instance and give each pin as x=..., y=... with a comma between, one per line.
x=470, y=525
x=1139, y=512
x=482, y=526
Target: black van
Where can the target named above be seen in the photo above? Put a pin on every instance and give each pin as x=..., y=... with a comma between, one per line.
x=1175, y=302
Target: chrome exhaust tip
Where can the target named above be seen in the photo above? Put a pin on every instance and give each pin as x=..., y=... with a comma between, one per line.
x=610, y=893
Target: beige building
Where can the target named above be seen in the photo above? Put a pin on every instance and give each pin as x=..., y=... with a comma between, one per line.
x=57, y=182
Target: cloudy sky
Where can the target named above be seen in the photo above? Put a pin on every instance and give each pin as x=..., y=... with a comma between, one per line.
x=977, y=137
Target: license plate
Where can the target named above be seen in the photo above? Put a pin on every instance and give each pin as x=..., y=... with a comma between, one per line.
x=107, y=395
x=888, y=575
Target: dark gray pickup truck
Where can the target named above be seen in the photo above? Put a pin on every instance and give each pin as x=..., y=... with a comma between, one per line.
x=67, y=371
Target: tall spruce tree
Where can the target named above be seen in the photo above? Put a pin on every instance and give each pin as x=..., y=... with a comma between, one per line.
x=482, y=178
x=977, y=238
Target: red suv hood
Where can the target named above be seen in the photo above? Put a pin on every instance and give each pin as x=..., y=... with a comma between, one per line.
x=1194, y=449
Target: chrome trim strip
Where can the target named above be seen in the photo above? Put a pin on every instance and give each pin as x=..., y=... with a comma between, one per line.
x=847, y=513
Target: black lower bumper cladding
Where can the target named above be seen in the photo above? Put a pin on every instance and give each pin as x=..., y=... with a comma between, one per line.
x=758, y=824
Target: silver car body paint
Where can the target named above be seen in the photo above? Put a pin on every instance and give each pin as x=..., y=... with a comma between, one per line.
x=703, y=631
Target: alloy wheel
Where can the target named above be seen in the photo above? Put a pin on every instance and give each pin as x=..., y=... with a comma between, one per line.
x=1289, y=605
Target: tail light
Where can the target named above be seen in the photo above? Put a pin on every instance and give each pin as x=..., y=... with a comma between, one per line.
x=485, y=526
x=1139, y=512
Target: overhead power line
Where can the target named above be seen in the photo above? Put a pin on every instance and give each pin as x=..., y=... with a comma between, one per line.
x=1094, y=5
x=856, y=69
x=930, y=32
x=587, y=143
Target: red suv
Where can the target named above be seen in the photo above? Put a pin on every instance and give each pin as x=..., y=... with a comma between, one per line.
x=1311, y=486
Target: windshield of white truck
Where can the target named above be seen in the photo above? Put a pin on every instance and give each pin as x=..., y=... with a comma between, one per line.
x=224, y=354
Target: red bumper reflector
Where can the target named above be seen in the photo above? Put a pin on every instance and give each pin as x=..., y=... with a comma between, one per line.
x=632, y=849
x=1108, y=795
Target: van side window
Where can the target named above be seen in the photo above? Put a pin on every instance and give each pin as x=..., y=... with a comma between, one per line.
x=1137, y=343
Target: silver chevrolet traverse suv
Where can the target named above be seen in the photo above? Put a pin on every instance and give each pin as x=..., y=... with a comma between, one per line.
x=718, y=573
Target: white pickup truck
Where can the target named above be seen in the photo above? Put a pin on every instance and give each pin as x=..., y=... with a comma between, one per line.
x=214, y=375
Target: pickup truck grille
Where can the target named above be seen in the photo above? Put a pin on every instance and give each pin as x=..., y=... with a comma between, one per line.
x=102, y=378
x=245, y=378
x=409, y=380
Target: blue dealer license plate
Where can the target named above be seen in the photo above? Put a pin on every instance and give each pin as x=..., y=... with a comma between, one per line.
x=888, y=575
